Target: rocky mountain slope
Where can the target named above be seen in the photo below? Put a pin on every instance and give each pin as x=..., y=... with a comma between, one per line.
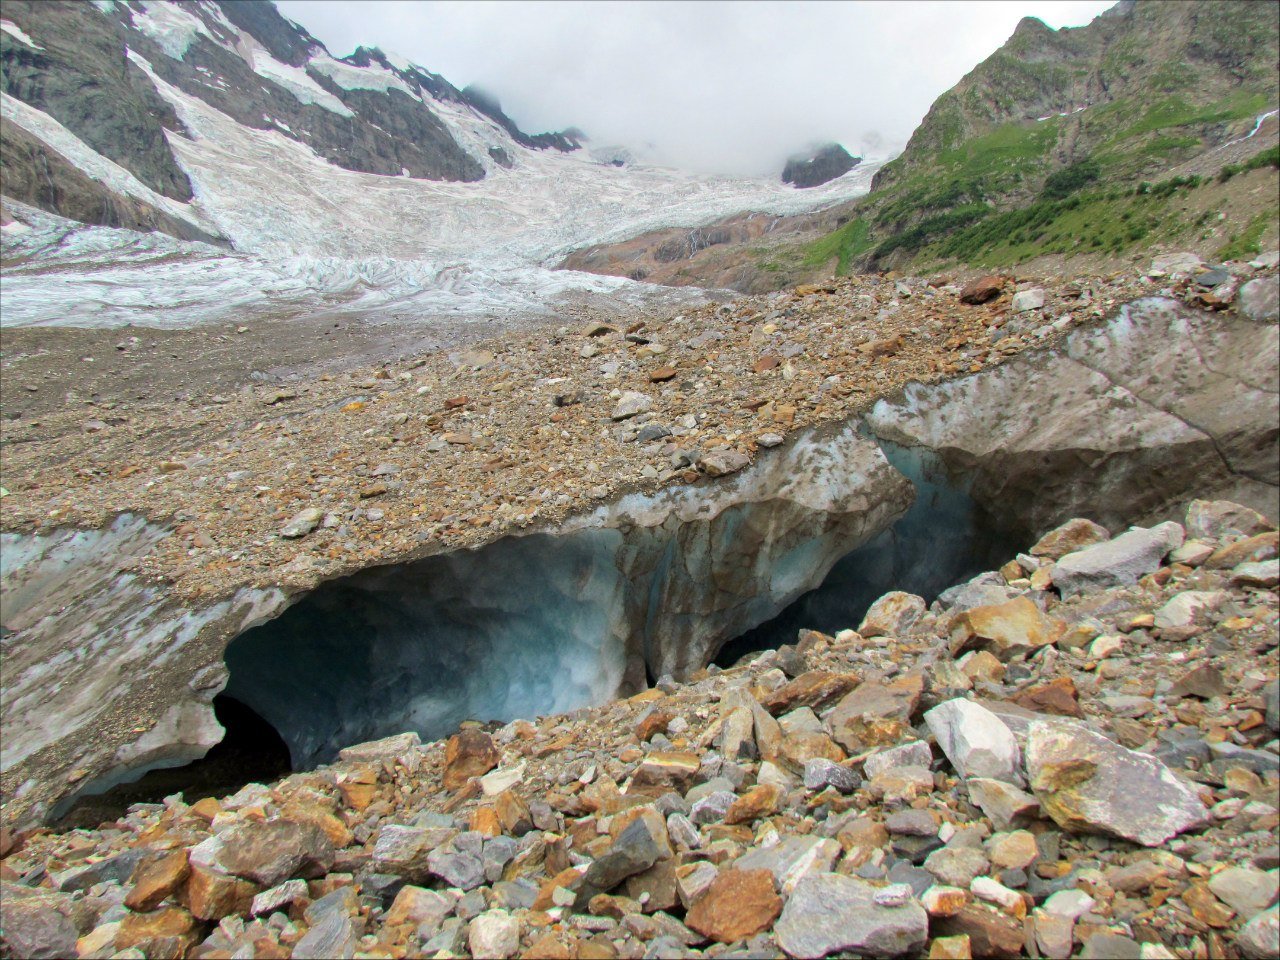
x=1085, y=144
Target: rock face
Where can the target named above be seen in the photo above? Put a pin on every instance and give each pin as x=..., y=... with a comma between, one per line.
x=825, y=163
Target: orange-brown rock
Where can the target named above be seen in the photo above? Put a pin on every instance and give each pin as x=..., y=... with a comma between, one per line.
x=169, y=924
x=156, y=880
x=666, y=769
x=1005, y=629
x=990, y=932
x=512, y=813
x=1058, y=697
x=738, y=904
x=484, y=820
x=1262, y=546
x=982, y=290
x=212, y=896
x=813, y=689
x=468, y=753
x=655, y=721
x=760, y=801
x=358, y=795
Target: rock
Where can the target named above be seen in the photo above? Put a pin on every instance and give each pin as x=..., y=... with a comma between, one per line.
x=1265, y=573
x=1002, y=802
x=37, y=923
x=738, y=904
x=763, y=800
x=303, y=522
x=1110, y=946
x=829, y=913
x=981, y=290
x=1058, y=697
x=1007, y=630
x=793, y=859
x=713, y=807
x=1072, y=536
x=724, y=462
x=631, y=404
x=1025, y=300
x=459, y=868
x=819, y=166
x=266, y=852
x=332, y=935
x=1117, y=562
x=893, y=615
x=1245, y=890
x=875, y=713
x=992, y=891
x=820, y=773
x=1253, y=549
x=975, y=740
x=1087, y=783
x=991, y=933
x=494, y=933
x=666, y=769
x=375, y=751
x=1175, y=265
x=1223, y=520
x=914, y=754
x=1016, y=850
x=637, y=848
x=156, y=880
x=1259, y=299
x=736, y=740
x=498, y=781
x=813, y=689
x=1187, y=608
x=1259, y=939
x=405, y=851
x=957, y=866
x=115, y=869
x=212, y=896
x=272, y=900
x=915, y=823
x=951, y=948
x=468, y=753
x=941, y=900
x=1204, y=681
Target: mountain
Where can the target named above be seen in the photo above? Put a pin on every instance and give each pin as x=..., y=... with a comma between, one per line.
x=1153, y=125
x=256, y=174
x=819, y=166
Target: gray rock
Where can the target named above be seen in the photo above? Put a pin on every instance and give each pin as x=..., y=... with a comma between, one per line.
x=1188, y=607
x=115, y=869
x=404, y=851
x=635, y=850
x=1263, y=573
x=792, y=857
x=1110, y=946
x=1028, y=300
x=829, y=912
x=1121, y=561
x=280, y=896
x=1259, y=939
x=1271, y=697
x=683, y=832
x=1246, y=891
x=498, y=852
x=631, y=404
x=985, y=590
x=37, y=923
x=388, y=748
x=331, y=936
x=302, y=523
x=713, y=807
x=1259, y=299
x=821, y=772
x=917, y=878
x=1003, y=803
x=724, y=462
x=916, y=823
x=1223, y=520
x=975, y=740
x=456, y=868
x=1087, y=783
x=914, y=754
x=957, y=866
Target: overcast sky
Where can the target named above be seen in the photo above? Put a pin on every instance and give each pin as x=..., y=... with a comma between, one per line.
x=728, y=87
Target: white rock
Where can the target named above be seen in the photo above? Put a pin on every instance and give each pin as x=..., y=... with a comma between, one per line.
x=1121, y=561
x=1183, y=609
x=1028, y=300
x=494, y=934
x=975, y=740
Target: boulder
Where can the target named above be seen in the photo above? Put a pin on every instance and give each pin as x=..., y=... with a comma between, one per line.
x=738, y=904
x=893, y=615
x=1259, y=299
x=982, y=289
x=1007, y=630
x=494, y=933
x=468, y=753
x=831, y=913
x=1025, y=300
x=37, y=923
x=1071, y=536
x=266, y=852
x=1224, y=520
x=1118, y=562
x=1003, y=803
x=975, y=740
x=1259, y=939
x=1087, y=783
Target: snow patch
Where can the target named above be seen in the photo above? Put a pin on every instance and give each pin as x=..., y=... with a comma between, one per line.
x=15, y=31
x=296, y=80
x=351, y=77
x=171, y=27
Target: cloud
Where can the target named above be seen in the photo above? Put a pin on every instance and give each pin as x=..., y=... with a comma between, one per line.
x=723, y=87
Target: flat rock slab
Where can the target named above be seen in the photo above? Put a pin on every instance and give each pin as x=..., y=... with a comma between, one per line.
x=1089, y=784
x=830, y=912
x=1123, y=560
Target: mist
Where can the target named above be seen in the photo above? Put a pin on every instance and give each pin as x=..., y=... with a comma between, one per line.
x=714, y=87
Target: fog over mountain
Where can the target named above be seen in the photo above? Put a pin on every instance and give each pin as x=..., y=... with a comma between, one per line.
x=713, y=87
